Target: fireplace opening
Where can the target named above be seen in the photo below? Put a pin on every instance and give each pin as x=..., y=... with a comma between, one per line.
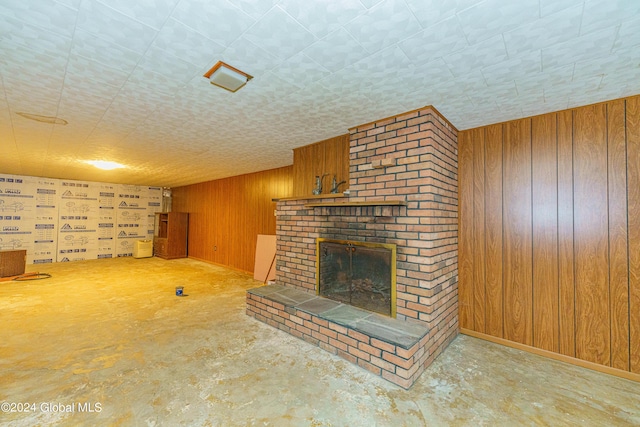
x=360, y=274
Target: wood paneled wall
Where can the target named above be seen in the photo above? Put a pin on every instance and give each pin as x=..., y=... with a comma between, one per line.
x=226, y=215
x=550, y=232
x=330, y=157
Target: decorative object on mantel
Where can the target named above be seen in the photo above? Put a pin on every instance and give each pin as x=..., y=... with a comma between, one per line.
x=335, y=184
x=318, y=190
x=383, y=163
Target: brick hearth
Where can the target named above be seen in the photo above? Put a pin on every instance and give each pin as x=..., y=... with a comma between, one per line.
x=410, y=158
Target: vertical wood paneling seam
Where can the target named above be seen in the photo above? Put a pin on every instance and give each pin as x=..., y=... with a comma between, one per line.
x=504, y=326
x=573, y=226
x=626, y=171
x=473, y=229
x=533, y=296
x=606, y=123
x=560, y=323
x=557, y=201
x=557, y=118
x=502, y=228
x=484, y=195
x=616, y=112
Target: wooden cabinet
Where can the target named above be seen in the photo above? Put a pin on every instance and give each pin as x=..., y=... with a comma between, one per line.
x=170, y=235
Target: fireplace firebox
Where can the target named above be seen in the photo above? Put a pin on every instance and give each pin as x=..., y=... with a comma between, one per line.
x=361, y=274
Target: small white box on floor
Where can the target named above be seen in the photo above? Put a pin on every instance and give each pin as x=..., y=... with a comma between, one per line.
x=143, y=249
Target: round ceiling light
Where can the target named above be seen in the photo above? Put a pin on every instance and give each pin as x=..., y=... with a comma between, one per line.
x=105, y=164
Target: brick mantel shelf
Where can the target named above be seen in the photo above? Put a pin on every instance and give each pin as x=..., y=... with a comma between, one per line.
x=311, y=197
x=357, y=203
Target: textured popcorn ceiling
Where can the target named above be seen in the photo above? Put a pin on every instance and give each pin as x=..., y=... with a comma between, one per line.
x=127, y=75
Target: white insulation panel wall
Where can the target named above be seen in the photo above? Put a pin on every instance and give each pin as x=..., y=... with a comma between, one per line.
x=59, y=220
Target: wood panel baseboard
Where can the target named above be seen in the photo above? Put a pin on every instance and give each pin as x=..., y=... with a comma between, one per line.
x=239, y=270
x=555, y=356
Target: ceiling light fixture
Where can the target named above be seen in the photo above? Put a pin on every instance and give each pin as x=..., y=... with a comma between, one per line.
x=227, y=77
x=43, y=119
x=104, y=164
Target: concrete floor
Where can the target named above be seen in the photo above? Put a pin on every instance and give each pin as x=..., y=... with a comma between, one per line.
x=111, y=336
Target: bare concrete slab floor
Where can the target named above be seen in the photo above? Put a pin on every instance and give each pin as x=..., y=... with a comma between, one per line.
x=111, y=337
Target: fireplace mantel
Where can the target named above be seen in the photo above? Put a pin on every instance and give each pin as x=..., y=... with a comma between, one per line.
x=361, y=203
x=312, y=197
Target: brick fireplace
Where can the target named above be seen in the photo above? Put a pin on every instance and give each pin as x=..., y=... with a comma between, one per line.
x=402, y=191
